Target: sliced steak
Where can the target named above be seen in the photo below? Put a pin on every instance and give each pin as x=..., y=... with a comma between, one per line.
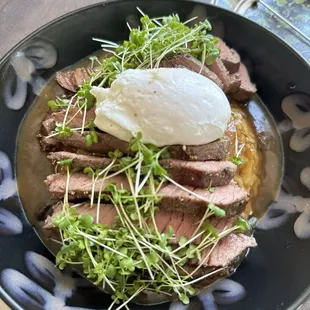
x=247, y=88
x=228, y=249
x=106, y=143
x=231, y=198
x=80, y=160
x=196, y=174
x=200, y=174
x=217, y=150
x=193, y=64
x=231, y=82
x=48, y=125
x=229, y=57
x=80, y=185
x=74, y=117
x=71, y=80
x=223, y=254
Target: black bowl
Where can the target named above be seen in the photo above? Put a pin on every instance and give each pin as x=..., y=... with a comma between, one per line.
x=275, y=275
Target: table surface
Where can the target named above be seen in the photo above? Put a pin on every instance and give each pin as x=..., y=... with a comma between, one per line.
x=18, y=18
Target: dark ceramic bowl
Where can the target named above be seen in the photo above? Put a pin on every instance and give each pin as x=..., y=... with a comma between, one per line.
x=275, y=275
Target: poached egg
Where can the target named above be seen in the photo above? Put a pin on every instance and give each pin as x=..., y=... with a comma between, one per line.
x=167, y=105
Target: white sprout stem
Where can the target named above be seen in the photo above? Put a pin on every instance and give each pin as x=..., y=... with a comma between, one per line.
x=106, y=169
x=67, y=112
x=98, y=202
x=201, y=278
x=167, y=51
x=112, y=304
x=101, y=244
x=159, y=186
x=111, y=52
x=111, y=43
x=185, y=189
x=236, y=143
x=114, y=174
x=119, y=213
x=92, y=191
x=205, y=259
x=136, y=241
x=152, y=37
x=57, y=133
x=140, y=11
x=187, y=242
x=132, y=297
x=203, y=59
x=134, y=197
x=144, y=181
x=205, y=216
x=57, y=241
x=66, y=197
x=84, y=118
x=240, y=150
x=123, y=59
x=75, y=114
x=136, y=192
x=151, y=58
x=190, y=20
x=162, y=292
x=154, y=223
x=128, y=26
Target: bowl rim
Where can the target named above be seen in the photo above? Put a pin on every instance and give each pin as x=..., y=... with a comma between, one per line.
x=3, y=294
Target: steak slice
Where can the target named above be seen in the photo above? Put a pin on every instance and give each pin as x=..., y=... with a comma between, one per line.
x=217, y=150
x=231, y=198
x=80, y=185
x=200, y=174
x=193, y=64
x=223, y=254
x=229, y=248
x=247, y=88
x=74, y=117
x=106, y=143
x=229, y=57
x=71, y=80
x=231, y=82
x=196, y=174
x=80, y=160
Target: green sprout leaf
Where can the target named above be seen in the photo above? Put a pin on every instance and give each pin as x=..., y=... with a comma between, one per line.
x=237, y=160
x=86, y=220
x=89, y=171
x=216, y=210
x=242, y=225
x=184, y=298
x=65, y=162
x=84, y=93
x=63, y=131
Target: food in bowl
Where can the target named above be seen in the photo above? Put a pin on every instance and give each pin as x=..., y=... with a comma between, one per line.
x=157, y=162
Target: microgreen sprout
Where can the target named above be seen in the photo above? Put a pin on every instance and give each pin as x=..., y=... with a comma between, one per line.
x=210, y=188
x=57, y=104
x=63, y=131
x=154, y=40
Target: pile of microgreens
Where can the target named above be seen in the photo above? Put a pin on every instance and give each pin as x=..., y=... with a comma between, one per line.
x=133, y=255
x=147, y=46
